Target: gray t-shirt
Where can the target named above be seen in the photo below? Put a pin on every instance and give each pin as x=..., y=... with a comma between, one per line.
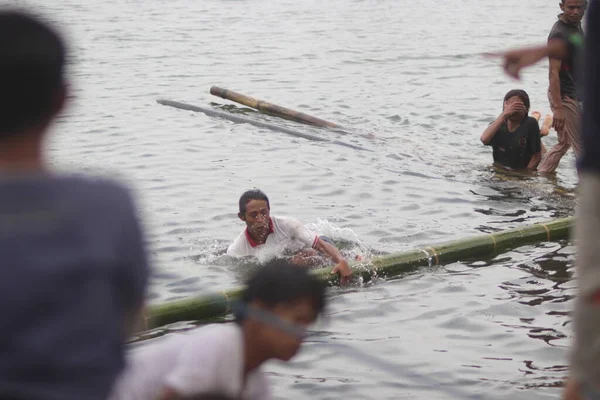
x=73, y=272
x=567, y=75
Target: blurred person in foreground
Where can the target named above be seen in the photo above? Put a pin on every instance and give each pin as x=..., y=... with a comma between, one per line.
x=267, y=236
x=73, y=265
x=563, y=94
x=514, y=135
x=278, y=304
x=584, y=382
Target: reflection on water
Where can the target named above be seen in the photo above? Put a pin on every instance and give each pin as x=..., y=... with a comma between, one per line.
x=405, y=71
x=476, y=325
x=519, y=197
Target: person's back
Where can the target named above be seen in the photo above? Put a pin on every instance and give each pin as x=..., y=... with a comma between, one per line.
x=73, y=265
x=278, y=304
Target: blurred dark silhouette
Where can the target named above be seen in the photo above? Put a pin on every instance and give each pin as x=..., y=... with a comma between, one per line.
x=73, y=270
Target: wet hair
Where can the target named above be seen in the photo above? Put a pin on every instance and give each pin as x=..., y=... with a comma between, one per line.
x=253, y=194
x=281, y=282
x=520, y=94
x=32, y=58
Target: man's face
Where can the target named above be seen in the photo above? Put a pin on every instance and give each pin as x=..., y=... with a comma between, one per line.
x=283, y=345
x=573, y=10
x=256, y=217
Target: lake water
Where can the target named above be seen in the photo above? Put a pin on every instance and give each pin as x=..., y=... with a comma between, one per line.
x=410, y=72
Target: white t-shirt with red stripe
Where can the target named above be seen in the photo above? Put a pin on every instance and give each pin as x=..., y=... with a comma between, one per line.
x=287, y=235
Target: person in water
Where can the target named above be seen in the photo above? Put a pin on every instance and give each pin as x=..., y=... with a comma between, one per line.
x=563, y=92
x=267, y=236
x=514, y=136
x=584, y=379
x=280, y=301
x=74, y=266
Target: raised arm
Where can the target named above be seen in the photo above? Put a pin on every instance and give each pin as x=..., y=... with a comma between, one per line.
x=489, y=132
x=492, y=129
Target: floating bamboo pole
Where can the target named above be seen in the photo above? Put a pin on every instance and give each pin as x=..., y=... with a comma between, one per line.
x=216, y=305
x=242, y=120
x=270, y=108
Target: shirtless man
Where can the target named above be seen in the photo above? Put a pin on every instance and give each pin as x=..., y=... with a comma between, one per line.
x=267, y=237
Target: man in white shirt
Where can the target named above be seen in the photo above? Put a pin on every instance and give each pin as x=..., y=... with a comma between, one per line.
x=267, y=237
x=279, y=302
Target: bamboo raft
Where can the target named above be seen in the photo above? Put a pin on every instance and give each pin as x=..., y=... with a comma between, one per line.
x=219, y=304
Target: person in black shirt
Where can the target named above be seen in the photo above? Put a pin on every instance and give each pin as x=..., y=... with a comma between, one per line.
x=562, y=93
x=584, y=382
x=514, y=136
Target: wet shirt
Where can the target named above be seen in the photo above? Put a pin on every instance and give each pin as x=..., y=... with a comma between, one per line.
x=286, y=235
x=73, y=272
x=590, y=131
x=515, y=149
x=567, y=75
x=207, y=360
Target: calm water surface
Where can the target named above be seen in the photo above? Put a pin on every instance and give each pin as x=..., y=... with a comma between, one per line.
x=409, y=72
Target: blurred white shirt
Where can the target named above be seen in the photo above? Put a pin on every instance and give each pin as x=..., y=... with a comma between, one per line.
x=207, y=360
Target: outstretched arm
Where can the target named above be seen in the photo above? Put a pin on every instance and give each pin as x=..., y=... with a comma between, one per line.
x=518, y=59
x=342, y=268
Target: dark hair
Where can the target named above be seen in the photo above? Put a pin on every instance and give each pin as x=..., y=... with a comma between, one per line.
x=32, y=58
x=520, y=94
x=281, y=282
x=253, y=194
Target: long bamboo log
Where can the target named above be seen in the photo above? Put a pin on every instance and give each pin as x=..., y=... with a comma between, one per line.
x=216, y=305
x=242, y=120
x=270, y=108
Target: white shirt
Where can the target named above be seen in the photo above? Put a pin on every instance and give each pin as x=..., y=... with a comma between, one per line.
x=207, y=360
x=287, y=235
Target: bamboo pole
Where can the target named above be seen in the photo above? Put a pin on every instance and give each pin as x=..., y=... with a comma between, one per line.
x=242, y=120
x=216, y=305
x=270, y=108
x=192, y=309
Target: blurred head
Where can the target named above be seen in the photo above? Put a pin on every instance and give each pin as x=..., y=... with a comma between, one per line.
x=573, y=10
x=32, y=87
x=292, y=298
x=255, y=211
x=517, y=96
